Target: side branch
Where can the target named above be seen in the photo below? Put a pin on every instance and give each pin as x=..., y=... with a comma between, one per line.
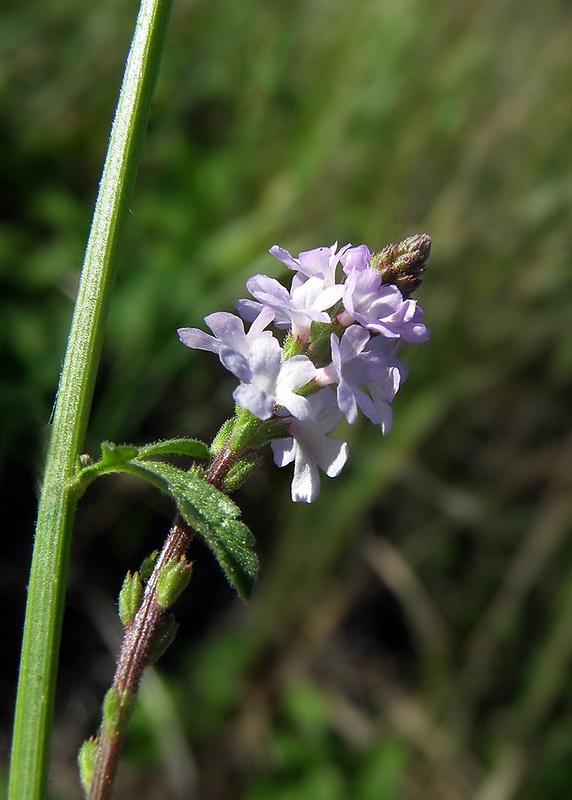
x=138, y=642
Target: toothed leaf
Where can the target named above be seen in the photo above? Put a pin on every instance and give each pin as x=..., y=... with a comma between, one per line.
x=215, y=517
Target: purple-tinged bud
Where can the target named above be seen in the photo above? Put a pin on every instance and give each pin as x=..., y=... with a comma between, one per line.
x=401, y=264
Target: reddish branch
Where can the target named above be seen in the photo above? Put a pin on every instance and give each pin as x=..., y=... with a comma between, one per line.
x=137, y=642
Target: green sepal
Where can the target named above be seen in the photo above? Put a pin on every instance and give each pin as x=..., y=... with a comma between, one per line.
x=265, y=432
x=222, y=436
x=163, y=638
x=86, y=762
x=183, y=447
x=116, y=710
x=320, y=349
x=147, y=565
x=246, y=425
x=112, y=711
x=292, y=347
x=240, y=471
x=214, y=516
x=130, y=598
x=173, y=579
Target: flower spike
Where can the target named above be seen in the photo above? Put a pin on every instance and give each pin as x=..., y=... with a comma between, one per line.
x=345, y=315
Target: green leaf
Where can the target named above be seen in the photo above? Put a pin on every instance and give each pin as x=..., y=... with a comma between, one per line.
x=114, y=458
x=232, y=547
x=127, y=458
x=206, y=509
x=215, y=517
x=185, y=447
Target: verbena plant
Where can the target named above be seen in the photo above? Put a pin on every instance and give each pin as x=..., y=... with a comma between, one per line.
x=334, y=351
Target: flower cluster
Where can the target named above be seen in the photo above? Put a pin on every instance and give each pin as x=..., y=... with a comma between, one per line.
x=346, y=313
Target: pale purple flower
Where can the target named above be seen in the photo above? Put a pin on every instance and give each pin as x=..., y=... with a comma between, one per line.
x=304, y=304
x=360, y=361
x=355, y=258
x=381, y=307
x=309, y=447
x=382, y=393
x=320, y=262
x=386, y=381
x=353, y=366
x=269, y=382
x=229, y=337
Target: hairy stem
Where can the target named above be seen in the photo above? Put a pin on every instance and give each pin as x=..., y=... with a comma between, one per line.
x=220, y=465
x=48, y=575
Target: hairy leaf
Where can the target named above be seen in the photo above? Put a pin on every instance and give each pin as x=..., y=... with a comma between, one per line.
x=215, y=517
x=186, y=447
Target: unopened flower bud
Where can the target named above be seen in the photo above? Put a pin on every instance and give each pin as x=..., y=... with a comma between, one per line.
x=222, y=436
x=240, y=471
x=172, y=581
x=163, y=638
x=147, y=565
x=130, y=598
x=112, y=711
x=402, y=264
x=86, y=762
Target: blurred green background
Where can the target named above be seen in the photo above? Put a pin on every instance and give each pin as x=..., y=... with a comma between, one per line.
x=410, y=636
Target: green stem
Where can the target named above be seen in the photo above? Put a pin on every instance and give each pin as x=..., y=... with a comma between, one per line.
x=46, y=590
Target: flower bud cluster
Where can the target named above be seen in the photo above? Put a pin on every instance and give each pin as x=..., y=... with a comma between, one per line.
x=345, y=323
